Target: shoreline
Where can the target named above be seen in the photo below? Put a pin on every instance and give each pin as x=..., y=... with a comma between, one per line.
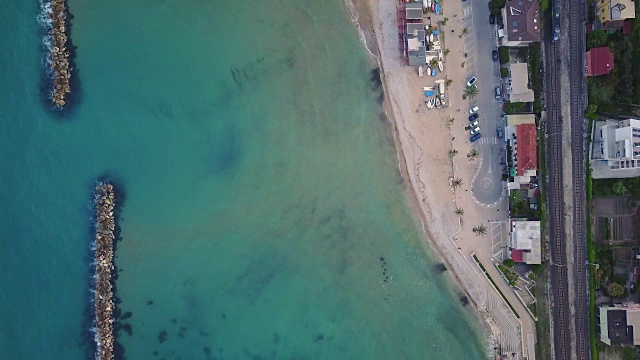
x=367, y=24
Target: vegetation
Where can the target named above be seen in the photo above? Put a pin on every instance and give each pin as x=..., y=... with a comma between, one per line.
x=496, y=6
x=453, y=152
x=459, y=212
x=471, y=91
x=496, y=286
x=517, y=204
x=503, y=51
x=615, y=290
x=504, y=72
x=480, y=230
x=544, y=5
x=533, y=61
x=457, y=182
x=532, y=308
x=446, y=52
x=612, y=187
x=510, y=275
x=512, y=108
x=509, y=263
x=591, y=257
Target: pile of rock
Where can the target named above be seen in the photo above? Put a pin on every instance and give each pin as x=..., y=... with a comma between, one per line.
x=104, y=302
x=59, y=53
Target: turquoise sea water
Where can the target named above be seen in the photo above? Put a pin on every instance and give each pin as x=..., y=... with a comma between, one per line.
x=264, y=217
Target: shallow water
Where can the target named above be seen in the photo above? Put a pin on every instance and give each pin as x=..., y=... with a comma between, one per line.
x=264, y=214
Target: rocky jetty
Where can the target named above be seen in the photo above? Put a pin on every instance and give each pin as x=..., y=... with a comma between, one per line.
x=104, y=199
x=59, y=53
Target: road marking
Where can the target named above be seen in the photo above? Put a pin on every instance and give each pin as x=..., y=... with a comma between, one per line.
x=466, y=11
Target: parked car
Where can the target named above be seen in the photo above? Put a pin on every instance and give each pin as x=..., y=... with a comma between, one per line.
x=473, y=117
x=474, y=123
x=492, y=19
x=475, y=130
x=472, y=81
x=500, y=132
x=497, y=92
x=474, y=110
x=494, y=55
x=475, y=137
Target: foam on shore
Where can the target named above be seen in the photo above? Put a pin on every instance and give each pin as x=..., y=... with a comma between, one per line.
x=104, y=304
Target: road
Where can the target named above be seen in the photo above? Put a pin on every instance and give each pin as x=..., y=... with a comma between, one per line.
x=481, y=39
x=566, y=195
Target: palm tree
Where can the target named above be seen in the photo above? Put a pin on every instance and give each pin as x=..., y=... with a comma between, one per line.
x=459, y=212
x=449, y=82
x=456, y=182
x=465, y=31
x=446, y=52
x=473, y=154
x=480, y=230
x=434, y=62
x=453, y=152
x=471, y=91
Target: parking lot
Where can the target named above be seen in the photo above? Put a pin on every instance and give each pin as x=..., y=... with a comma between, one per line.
x=479, y=42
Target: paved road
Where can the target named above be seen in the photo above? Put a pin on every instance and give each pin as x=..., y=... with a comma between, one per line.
x=487, y=187
x=570, y=308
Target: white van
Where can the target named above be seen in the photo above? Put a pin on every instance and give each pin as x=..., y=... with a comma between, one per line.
x=500, y=33
x=473, y=110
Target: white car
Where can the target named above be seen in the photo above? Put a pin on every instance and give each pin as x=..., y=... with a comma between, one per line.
x=474, y=124
x=475, y=130
x=474, y=110
x=472, y=81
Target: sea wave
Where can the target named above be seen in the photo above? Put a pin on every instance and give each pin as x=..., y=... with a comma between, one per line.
x=47, y=41
x=355, y=18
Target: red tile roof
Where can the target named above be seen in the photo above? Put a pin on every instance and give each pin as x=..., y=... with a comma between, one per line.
x=516, y=255
x=599, y=61
x=527, y=148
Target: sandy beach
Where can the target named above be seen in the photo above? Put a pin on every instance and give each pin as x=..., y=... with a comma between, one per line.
x=424, y=139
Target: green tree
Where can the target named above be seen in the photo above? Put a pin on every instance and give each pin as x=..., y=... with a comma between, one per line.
x=453, y=152
x=459, y=212
x=619, y=188
x=471, y=91
x=496, y=6
x=480, y=230
x=544, y=5
x=457, y=182
x=512, y=108
x=517, y=203
x=473, y=154
x=615, y=290
x=504, y=72
x=597, y=38
x=503, y=52
x=509, y=262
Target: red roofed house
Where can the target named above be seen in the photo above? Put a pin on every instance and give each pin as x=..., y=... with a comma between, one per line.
x=527, y=148
x=599, y=61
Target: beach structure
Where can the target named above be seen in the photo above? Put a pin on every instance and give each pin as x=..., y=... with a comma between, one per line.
x=524, y=241
x=599, y=61
x=413, y=11
x=613, y=10
x=104, y=305
x=518, y=89
x=521, y=22
x=619, y=324
x=416, y=49
x=615, y=149
x=411, y=33
x=59, y=56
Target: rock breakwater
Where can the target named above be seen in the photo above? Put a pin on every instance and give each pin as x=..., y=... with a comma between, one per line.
x=59, y=56
x=104, y=199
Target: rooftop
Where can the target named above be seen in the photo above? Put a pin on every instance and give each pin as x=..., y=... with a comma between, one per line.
x=520, y=91
x=599, y=61
x=525, y=240
x=414, y=10
x=526, y=135
x=522, y=21
x=623, y=9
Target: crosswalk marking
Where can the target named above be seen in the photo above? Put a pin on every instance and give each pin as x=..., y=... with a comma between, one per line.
x=488, y=141
x=466, y=11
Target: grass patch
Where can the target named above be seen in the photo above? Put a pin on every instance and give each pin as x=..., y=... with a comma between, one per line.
x=532, y=308
x=495, y=285
x=511, y=276
x=591, y=256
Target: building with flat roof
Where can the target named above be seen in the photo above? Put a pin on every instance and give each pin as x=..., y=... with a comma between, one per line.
x=599, y=61
x=611, y=10
x=416, y=48
x=619, y=324
x=519, y=83
x=521, y=22
x=524, y=240
x=414, y=11
x=615, y=149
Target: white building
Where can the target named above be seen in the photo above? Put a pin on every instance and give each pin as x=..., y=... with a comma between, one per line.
x=615, y=151
x=525, y=241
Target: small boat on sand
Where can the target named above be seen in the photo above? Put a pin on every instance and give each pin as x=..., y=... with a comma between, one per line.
x=438, y=103
x=433, y=72
x=440, y=65
x=420, y=71
x=429, y=93
x=431, y=103
x=427, y=88
x=443, y=99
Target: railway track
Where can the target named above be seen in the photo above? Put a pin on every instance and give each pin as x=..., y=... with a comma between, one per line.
x=568, y=326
